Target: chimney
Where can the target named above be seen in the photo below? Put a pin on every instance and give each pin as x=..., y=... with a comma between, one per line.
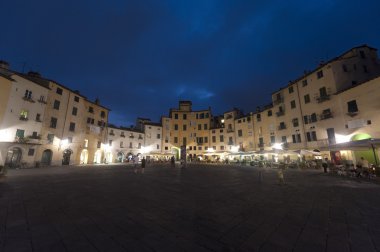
x=34, y=74
x=4, y=64
x=97, y=101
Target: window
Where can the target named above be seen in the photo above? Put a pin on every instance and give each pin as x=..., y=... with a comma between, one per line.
x=291, y=90
x=76, y=98
x=221, y=130
x=20, y=133
x=239, y=121
x=99, y=144
x=207, y=115
x=175, y=139
x=344, y=67
x=230, y=141
x=258, y=117
x=304, y=83
x=53, y=122
x=269, y=113
x=59, y=91
x=102, y=114
x=130, y=145
x=184, y=116
x=31, y=152
x=28, y=94
x=166, y=139
x=362, y=54
x=201, y=116
x=184, y=140
x=240, y=133
x=158, y=146
x=91, y=109
x=50, y=138
x=199, y=126
x=75, y=111
x=121, y=144
x=166, y=148
x=206, y=139
x=293, y=104
x=158, y=136
x=175, y=126
x=205, y=126
x=365, y=69
x=175, y=116
x=319, y=74
x=313, y=117
x=221, y=138
x=213, y=139
x=272, y=139
x=311, y=136
x=56, y=104
x=72, y=126
x=306, y=119
x=139, y=146
x=222, y=147
x=296, y=138
x=295, y=122
x=352, y=106
x=24, y=115
x=184, y=127
x=282, y=125
x=199, y=147
x=38, y=117
x=307, y=98
x=110, y=142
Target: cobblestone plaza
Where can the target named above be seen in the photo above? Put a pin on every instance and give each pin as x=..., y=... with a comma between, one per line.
x=198, y=208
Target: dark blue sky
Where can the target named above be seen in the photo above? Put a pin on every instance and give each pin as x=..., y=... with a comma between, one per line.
x=141, y=57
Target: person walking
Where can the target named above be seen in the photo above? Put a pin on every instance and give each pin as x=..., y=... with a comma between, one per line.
x=143, y=162
x=325, y=164
x=172, y=161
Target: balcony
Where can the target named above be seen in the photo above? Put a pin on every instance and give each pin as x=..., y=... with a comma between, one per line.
x=285, y=145
x=23, y=118
x=352, y=113
x=112, y=134
x=260, y=145
x=322, y=98
x=42, y=101
x=230, y=130
x=29, y=99
x=281, y=127
x=326, y=115
x=199, y=143
x=140, y=138
x=122, y=136
x=131, y=136
x=230, y=143
x=278, y=101
x=280, y=113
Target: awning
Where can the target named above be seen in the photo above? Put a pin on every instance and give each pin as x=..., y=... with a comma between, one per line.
x=355, y=145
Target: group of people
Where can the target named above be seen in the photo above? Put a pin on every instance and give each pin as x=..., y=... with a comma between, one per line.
x=362, y=169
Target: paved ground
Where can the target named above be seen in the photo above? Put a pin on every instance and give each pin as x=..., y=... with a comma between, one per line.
x=200, y=208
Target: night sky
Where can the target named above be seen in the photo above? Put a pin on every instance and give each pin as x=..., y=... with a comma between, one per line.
x=141, y=57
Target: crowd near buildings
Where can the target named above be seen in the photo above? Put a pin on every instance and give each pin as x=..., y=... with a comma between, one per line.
x=332, y=110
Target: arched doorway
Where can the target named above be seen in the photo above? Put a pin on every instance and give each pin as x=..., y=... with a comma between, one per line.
x=108, y=158
x=46, y=157
x=13, y=157
x=120, y=156
x=84, y=157
x=66, y=156
x=176, y=152
x=98, y=157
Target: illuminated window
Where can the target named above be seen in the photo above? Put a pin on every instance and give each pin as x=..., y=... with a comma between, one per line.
x=24, y=115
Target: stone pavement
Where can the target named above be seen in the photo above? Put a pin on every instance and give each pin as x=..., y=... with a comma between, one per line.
x=199, y=208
